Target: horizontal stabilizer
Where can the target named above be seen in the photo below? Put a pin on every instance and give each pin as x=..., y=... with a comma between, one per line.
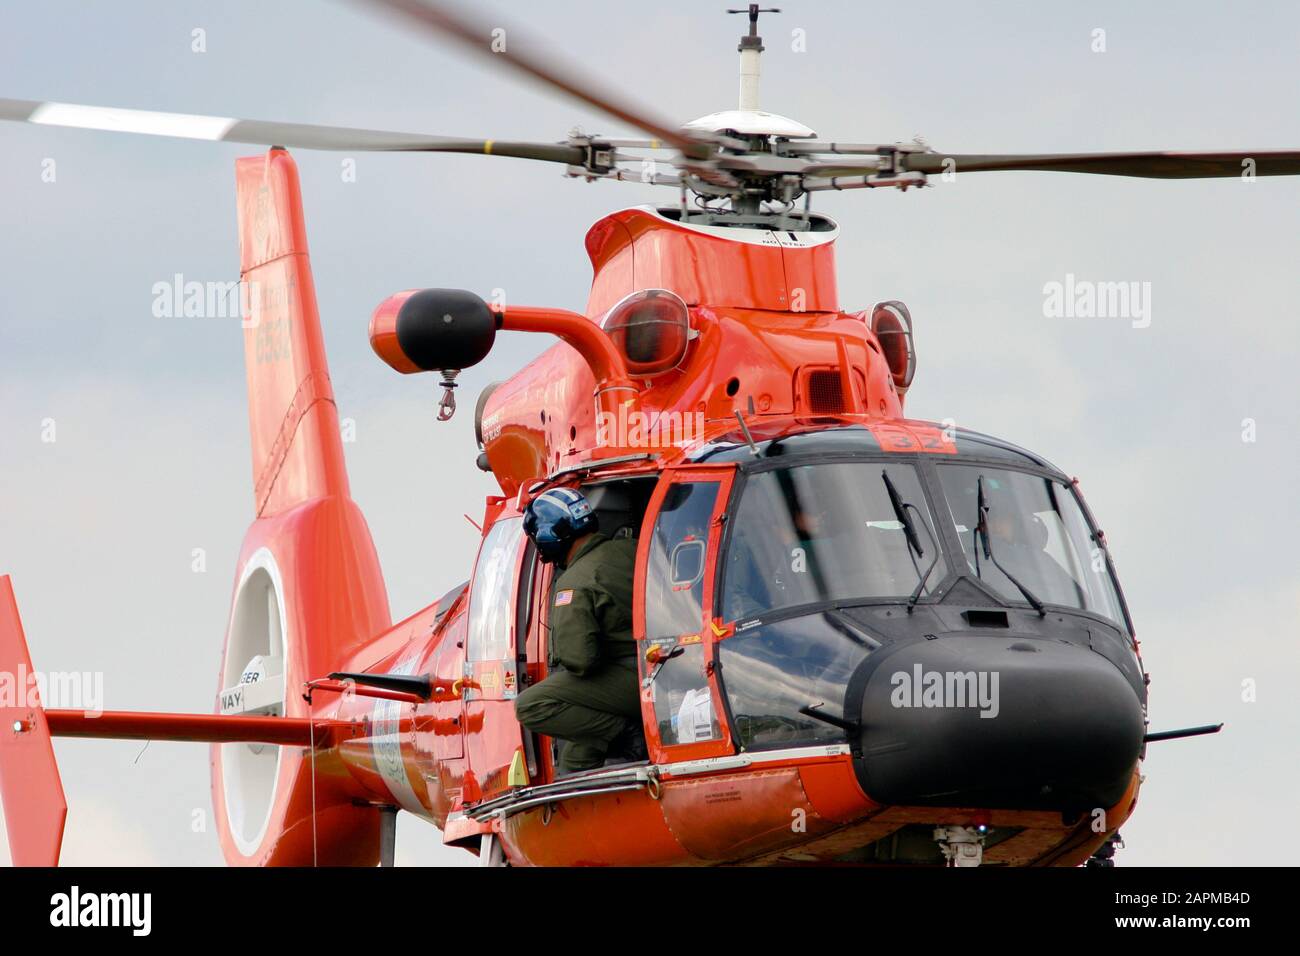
x=198, y=728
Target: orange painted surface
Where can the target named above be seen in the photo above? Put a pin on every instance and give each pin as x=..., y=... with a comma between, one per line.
x=293, y=422
x=770, y=342
x=383, y=333
x=35, y=808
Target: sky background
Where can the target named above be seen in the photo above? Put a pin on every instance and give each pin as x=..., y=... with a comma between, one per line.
x=151, y=459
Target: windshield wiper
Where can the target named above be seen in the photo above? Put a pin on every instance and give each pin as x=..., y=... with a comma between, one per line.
x=920, y=585
x=909, y=529
x=982, y=532
x=900, y=512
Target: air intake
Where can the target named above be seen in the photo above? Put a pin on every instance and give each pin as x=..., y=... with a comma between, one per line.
x=823, y=392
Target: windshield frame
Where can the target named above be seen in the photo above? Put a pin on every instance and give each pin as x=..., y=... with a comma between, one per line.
x=953, y=553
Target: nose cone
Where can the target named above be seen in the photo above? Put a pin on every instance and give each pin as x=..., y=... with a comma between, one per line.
x=998, y=722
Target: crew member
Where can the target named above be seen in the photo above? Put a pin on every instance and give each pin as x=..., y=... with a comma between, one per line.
x=590, y=698
x=1020, y=544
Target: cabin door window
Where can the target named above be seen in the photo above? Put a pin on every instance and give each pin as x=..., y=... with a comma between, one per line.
x=677, y=560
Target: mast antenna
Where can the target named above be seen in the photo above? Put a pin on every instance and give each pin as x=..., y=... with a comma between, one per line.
x=751, y=48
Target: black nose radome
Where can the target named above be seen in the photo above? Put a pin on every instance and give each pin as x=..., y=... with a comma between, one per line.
x=998, y=722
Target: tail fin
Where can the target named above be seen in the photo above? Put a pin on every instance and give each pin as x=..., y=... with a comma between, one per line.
x=308, y=594
x=308, y=590
x=297, y=452
x=35, y=808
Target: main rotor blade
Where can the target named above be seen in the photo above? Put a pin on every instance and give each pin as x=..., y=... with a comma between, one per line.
x=256, y=132
x=441, y=18
x=1145, y=165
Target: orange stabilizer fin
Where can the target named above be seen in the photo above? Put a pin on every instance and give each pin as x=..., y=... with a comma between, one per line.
x=297, y=450
x=34, y=804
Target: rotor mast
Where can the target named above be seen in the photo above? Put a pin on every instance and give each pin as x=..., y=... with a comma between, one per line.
x=751, y=50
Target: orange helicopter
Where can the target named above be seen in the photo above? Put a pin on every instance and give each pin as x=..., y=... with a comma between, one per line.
x=862, y=638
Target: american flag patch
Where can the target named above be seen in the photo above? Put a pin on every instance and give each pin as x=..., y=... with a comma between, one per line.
x=564, y=597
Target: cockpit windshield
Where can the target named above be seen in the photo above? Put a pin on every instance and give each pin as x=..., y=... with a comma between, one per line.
x=832, y=531
x=807, y=539
x=1036, y=535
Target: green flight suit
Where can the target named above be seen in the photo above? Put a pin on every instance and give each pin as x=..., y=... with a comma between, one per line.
x=591, y=695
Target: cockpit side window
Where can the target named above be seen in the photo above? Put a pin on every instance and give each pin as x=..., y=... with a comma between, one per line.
x=675, y=573
x=491, y=596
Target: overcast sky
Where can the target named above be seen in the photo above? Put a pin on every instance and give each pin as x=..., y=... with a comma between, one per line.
x=151, y=459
